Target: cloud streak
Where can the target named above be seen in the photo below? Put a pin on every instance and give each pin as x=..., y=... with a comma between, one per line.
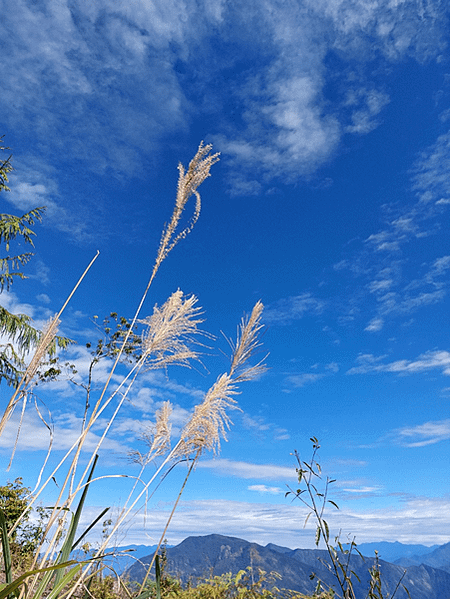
x=245, y=470
x=131, y=78
x=416, y=520
x=431, y=360
x=428, y=433
x=293, y=308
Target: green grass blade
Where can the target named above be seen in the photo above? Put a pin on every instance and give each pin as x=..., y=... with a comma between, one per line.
x=81, y=537
x=158, y=577
x=68, y=576
x=5, y=548
x=13, y=586
x=69, y=540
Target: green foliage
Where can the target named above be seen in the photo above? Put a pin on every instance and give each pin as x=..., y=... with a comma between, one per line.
x=115, y=331
x=19, y=542
x=102, y=587
x=52, y=579
x=240, y=586
x=5, y=168
x=13, y=503
x=22, y=336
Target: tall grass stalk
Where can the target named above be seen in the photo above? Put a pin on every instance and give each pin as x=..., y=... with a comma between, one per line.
x=45, y=341
x=170, y=338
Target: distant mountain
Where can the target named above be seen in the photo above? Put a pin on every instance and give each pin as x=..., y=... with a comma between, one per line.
x=202, y=557
x=394, y=551
x=439, y=558
x=278, y=548
x=120, y=558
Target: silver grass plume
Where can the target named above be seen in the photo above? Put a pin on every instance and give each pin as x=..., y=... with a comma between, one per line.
x=156, y=437
x=247, y=342
x=170, y=331
x=46, y=339
x=210, y=420
x=188, y=183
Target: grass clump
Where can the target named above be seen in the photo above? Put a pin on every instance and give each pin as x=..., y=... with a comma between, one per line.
x=171, y=335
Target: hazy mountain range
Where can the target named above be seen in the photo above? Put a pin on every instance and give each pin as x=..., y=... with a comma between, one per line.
x=200, y=557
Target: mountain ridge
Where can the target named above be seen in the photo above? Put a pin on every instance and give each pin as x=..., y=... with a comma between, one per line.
x=201, y=557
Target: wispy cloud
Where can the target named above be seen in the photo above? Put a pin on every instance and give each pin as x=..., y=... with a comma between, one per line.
x=265, y=490
x=35, y=185
x=362, y=490
x=391, y=286
x=293, y=308
x=375, y=325
x=369, y=103
x=263, y=429
x=421, y=435
x=416, y=520
x=431, y=360
x=429, y=173
x=60, y=432
x=38, y=313
x=246, y=470
x=84, y=59
x=300, y=380
x=306, y=378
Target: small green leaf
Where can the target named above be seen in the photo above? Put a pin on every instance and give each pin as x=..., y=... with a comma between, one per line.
x=327, y=531
x=318, y=533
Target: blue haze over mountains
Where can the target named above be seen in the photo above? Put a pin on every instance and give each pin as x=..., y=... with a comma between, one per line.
x=427, y=573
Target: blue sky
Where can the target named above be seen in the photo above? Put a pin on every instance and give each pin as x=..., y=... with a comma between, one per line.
x=330, y=204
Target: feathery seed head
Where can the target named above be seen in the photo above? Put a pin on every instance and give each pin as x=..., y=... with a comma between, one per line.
x=169, y=331
x=47, y=336
x=188, y=183
x=163, y=428
x=210, y=420
x=156, y=437
x=247, y=343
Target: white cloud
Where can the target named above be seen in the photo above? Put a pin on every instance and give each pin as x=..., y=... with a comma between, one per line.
x=246, y=470
x=307, y=378
x=34, y=185
x=373, y=101
x=43, y=298
x=375, y=325
x=11, y=302
x=441, y=265
x=380, y=285
x=292, y=308
x=300, y=380
x=424, y=434
x=265, y=490
x=431, y=360
x=255, y=422
x=417, y=520
x=362, y=490
x=64, y=59
x=63, y=434
x=430, y=172
x=262, y=428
